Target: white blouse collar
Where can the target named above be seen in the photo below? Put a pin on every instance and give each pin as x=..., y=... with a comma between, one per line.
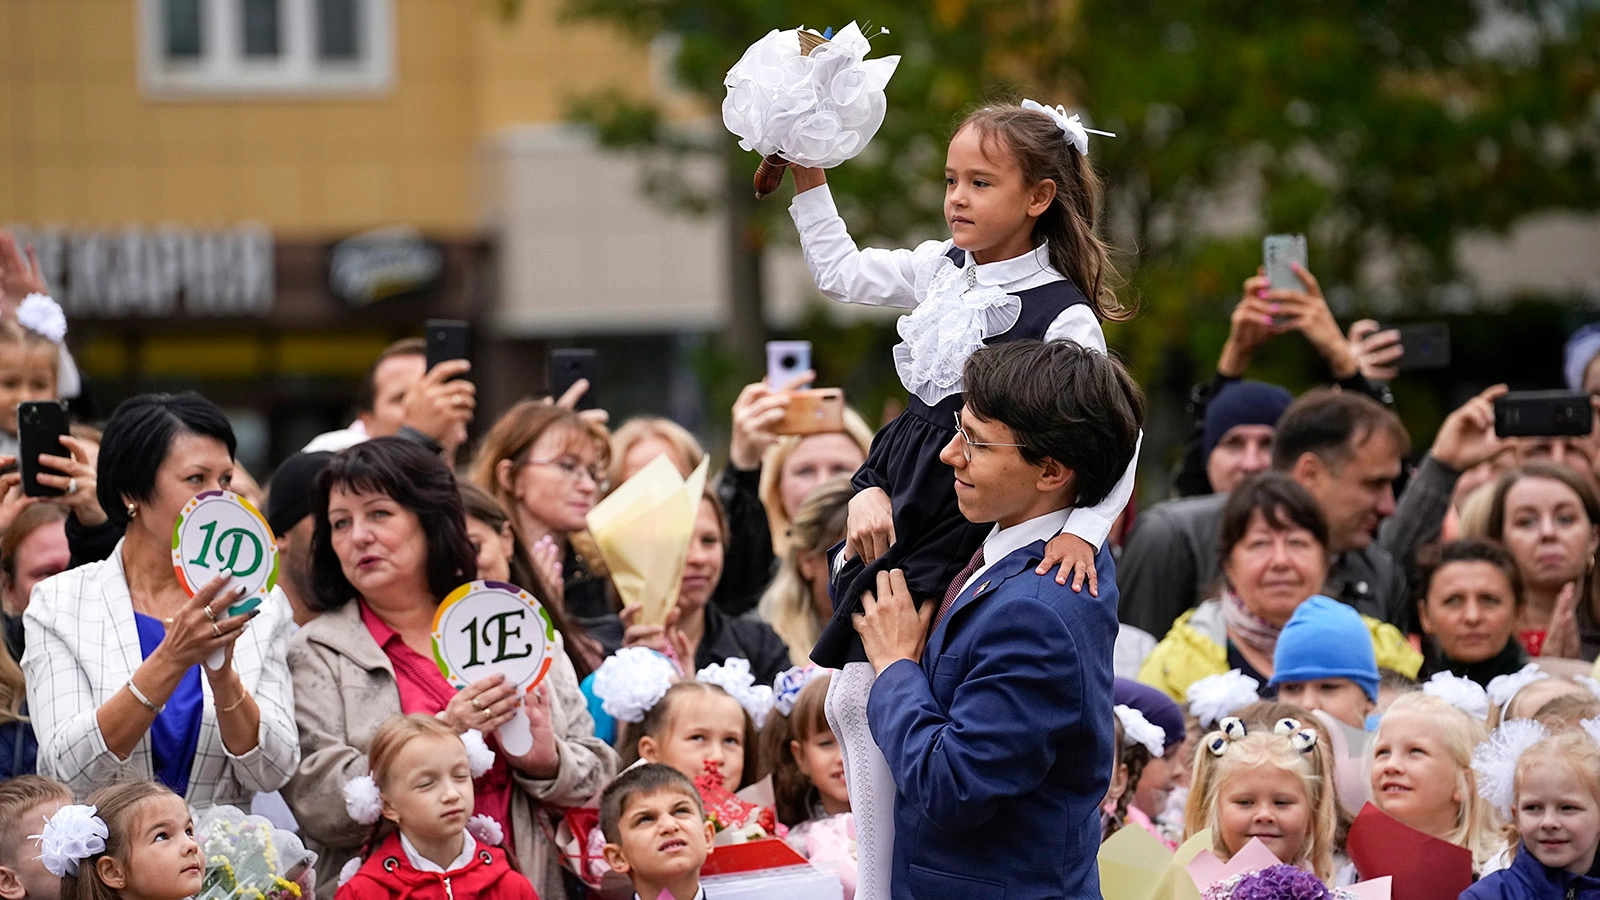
x=469, y=848
x=1009, y=272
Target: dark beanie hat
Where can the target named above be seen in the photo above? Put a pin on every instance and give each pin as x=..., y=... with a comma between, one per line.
x=289, y=491
x=1243, y=403
x=1161, y=710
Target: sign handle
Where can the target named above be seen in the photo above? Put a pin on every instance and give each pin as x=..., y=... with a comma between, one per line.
x=516, y=738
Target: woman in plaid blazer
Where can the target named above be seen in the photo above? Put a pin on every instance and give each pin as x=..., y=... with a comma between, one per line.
x=117, y=685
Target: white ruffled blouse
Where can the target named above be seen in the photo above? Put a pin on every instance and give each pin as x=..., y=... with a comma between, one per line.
x=953, y=310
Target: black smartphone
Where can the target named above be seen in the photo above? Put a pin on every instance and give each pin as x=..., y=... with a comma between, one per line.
x=569, y=365
x=447, y=339
x=1543, y=414
x=41, y=424
x=1426, y=344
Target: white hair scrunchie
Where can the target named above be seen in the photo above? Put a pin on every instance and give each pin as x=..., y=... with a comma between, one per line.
x=1462, y=693
x=734, y=676
x=72, y=835
x=1072, y=126
x=1136, y=729
x=1215, y=697
x=1505, y=688
x=1495, y=761
x=42, y=315
x=631, y=681
x=790, y=682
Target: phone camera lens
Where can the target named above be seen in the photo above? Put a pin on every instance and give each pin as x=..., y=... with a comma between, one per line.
x=789, y=361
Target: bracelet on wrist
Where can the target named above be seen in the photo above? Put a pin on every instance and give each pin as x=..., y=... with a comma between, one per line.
x=145, y=701
x=243, y=696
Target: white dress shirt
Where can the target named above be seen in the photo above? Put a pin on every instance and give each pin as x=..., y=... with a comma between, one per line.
x=83, y=646
x=877, y=277
x=1002, y=542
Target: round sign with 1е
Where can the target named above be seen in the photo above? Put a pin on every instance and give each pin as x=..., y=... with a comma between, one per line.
x=487, y=627
x=490, y=627
x=220, y=531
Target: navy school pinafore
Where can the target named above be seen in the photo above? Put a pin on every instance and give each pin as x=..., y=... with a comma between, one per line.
x=933, y=541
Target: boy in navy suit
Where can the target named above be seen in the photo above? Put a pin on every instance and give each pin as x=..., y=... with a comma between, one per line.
x=993, y=707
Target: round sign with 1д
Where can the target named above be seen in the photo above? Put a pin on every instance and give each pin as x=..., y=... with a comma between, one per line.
x=220, y=531
x=489, y=627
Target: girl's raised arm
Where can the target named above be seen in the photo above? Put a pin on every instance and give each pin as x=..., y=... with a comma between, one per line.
x=872, y=277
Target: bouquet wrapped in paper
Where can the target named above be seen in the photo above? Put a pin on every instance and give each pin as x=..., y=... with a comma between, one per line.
x=249, y=859
x=797, y=96
x=643, y=530
x=1135, y=866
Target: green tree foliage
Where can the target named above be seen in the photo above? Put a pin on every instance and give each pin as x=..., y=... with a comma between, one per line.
x=1383, y=129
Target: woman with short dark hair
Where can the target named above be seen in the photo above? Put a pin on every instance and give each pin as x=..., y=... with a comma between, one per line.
x=1273, y=544
x=389, y=542
x=1469, y=596
x=116, y=688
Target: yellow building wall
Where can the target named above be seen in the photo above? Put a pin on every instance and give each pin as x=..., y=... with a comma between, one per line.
x=80, y=145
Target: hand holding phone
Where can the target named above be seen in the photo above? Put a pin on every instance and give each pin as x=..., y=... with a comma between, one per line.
x=1279, y=254
x=567, y=367
x=1544, y=414
x=447, y=339
x=814, y=411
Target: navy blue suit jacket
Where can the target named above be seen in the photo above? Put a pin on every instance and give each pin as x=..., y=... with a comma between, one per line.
x=1000, y=741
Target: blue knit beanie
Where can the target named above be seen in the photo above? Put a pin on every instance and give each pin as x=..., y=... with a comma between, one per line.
x=1326, y=639
x=1243, y=403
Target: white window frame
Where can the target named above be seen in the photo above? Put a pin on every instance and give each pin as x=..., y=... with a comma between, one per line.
x=222, y=69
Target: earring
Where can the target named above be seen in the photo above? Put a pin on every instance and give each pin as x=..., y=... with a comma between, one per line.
x=133, y=511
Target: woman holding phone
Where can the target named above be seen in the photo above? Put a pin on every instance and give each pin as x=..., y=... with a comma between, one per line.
x=118, y=685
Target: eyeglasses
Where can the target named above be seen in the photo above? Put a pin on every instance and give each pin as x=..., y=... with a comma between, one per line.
x=571, y=469
x=967, y=443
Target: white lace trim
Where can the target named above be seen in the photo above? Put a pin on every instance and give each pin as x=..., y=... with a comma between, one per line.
x=954, y=316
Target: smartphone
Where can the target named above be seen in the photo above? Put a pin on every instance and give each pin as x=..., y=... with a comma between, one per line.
x=41, y=424
x=814, y=411
x=786, y=361
x=447, y=339
x=569, y=365
x=1426, y=345
x=1277, y=252
x=1543, y=414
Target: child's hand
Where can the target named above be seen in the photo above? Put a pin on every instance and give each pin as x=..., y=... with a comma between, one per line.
x=19, y=275
x=870, y=525
x=1075, y=555
x=544, y=760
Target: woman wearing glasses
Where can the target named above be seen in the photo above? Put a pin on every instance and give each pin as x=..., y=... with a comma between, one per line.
x=548, y=465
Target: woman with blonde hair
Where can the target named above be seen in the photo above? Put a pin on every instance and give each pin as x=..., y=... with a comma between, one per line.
x=796, y=604
x=640, y=440
x=1422, y=774
x=767, y=477
x=548, y=466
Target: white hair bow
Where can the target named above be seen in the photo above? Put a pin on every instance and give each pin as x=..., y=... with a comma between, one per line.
x=1136, y=729
x=1071, y=126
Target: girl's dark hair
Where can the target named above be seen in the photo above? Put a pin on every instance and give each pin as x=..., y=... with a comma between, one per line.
x=791, y=789
x=1467, y=550
x=1067, y=227
x=656, y=721
x=1282, y=502
x=415, y=479
x=115, y=805
x=1135, y=756
x=138, y=438
x=586, y=654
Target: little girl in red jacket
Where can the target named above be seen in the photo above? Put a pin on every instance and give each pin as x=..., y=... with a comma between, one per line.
x=428, y=846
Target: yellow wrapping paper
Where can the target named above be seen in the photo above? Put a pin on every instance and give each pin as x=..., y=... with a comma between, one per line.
x=1134, y=865
x=643, y=532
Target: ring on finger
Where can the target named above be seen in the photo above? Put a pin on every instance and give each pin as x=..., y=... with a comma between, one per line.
x=215, y=629
x=488, y=713
x=476, y=705
x=72, y=485
x=210, y=613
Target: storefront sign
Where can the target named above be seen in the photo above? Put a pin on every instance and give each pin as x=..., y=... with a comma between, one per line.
x=157, y=272
x=384, y=265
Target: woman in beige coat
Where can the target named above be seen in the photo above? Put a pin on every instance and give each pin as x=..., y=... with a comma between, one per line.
x=390, y=536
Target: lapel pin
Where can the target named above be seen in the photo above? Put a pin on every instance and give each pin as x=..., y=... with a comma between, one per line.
x=981, y=588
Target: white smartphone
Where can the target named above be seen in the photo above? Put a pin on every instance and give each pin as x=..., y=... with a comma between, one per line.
x=786, y=361
x=1277, y=252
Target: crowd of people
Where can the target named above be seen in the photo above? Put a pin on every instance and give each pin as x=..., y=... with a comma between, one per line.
x=958, y=647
